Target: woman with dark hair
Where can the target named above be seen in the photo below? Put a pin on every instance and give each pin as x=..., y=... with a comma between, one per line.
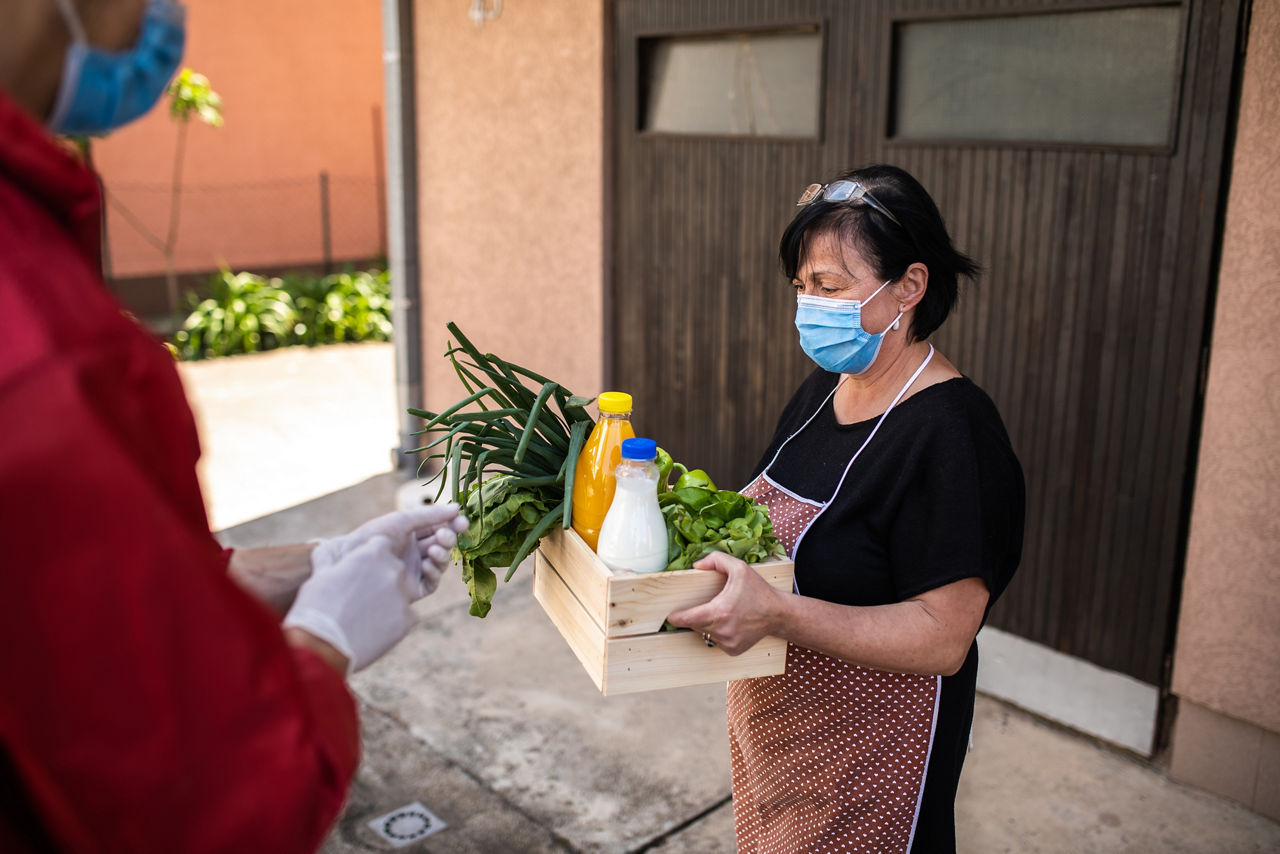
x=892, y=483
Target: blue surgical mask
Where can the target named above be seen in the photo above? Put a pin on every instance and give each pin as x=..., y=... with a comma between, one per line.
x=831, y=333
x=100, y=90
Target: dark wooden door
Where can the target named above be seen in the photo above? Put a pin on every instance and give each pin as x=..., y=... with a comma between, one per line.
x=1088, y=327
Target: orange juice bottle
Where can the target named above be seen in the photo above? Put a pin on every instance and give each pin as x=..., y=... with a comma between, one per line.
x=593, y=480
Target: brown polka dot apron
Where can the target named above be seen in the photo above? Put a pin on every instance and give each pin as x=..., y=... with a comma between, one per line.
x=830, y=756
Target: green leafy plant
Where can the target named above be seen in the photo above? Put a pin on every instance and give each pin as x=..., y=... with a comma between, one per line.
x=190, y=95
x=509, y=450
x=348, y=306
x=701, y=521
x=244, y=314
x=510, y=457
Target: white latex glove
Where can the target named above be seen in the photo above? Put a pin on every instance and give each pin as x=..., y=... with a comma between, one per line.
x=434, y=530
x=359, y=604
x=358, y=595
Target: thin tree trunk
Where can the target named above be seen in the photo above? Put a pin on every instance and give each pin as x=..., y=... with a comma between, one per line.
x=175, y=205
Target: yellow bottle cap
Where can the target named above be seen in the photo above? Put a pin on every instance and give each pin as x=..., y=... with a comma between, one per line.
x=614, y=401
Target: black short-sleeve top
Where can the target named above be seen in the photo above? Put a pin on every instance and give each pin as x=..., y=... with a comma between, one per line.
x=937, y=495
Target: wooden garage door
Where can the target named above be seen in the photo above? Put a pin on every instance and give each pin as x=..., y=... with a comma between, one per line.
x=1096, y=223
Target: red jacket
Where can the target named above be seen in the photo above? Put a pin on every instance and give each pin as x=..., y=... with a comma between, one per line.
x=148, y=703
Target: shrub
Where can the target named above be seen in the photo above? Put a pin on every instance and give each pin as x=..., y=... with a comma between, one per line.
x=246, y=313
x=342, y=307
x=243, y=314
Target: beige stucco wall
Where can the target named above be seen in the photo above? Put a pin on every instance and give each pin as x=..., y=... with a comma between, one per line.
x=510, y=159
x=300, y=81
x=1228, y=646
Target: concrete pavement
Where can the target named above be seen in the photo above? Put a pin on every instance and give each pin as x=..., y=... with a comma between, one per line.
x=494, y=727
x=282, y=427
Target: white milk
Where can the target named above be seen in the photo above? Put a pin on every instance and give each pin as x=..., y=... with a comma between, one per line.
x=634, y=534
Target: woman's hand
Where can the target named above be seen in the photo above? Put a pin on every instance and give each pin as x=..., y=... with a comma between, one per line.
x=930, y=633
x=742, y=613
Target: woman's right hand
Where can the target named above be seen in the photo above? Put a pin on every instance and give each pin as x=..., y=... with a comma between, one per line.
x=744, y=611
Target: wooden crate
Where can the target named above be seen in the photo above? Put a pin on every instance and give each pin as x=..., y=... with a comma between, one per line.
x=612, y=621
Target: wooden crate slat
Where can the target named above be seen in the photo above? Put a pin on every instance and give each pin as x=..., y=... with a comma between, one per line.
x=599, y=614
x=675, y=659
x=569, y=617
x=639, y=604
x=581, y=570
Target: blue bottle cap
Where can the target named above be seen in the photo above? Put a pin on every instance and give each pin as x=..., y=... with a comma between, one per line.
x=639, y=449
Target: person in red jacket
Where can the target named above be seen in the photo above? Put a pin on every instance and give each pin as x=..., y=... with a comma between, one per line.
x=159, y=693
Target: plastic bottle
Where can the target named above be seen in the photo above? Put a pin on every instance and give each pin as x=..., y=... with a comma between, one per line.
x=634, y=534
x=594, y=472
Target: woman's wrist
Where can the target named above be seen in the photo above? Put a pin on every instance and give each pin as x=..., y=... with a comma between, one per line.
x=781, y=613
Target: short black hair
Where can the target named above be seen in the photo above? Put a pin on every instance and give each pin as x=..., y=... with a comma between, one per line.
x=888, y=247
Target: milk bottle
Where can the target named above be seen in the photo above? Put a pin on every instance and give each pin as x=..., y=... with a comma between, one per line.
x=634, y=535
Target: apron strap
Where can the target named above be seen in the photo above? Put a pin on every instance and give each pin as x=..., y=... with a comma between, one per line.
x=856, y=453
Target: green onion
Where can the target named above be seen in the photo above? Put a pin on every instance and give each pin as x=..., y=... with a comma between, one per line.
x=510, y=459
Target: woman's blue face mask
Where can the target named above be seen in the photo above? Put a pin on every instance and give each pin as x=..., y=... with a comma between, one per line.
x=101, y=90
x=831, y=333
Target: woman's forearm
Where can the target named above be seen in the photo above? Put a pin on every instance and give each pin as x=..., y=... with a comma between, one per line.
x=930, y=634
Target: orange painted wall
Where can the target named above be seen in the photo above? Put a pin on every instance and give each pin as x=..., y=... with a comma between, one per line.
x=510, y=125
x=300, y=81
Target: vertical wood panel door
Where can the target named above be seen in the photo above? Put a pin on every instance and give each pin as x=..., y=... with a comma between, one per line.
x=1075, y=150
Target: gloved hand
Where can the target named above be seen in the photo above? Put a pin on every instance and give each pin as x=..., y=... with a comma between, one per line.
x=358, y=595
x=435, y=529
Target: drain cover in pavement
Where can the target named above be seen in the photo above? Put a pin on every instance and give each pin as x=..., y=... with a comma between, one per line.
x=407, y=824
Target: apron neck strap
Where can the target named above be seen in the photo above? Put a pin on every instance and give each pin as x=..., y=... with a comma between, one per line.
x=858, y=452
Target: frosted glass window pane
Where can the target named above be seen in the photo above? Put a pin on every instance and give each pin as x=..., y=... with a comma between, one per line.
x=748, y=84
x=1102, y=76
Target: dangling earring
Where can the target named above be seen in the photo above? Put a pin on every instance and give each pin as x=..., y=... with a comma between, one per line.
x=897, y=319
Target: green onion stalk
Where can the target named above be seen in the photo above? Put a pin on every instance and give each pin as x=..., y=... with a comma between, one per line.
x=508, y=449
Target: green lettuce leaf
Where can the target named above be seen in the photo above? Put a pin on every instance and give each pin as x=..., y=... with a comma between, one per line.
x=700, y=521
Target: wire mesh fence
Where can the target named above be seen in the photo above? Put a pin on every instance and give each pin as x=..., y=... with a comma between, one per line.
x=320, y=221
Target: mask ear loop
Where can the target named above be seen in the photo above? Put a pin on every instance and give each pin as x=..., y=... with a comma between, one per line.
x=893, y=325
x=71, y=66
x=72, y=19
x=883, y=285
